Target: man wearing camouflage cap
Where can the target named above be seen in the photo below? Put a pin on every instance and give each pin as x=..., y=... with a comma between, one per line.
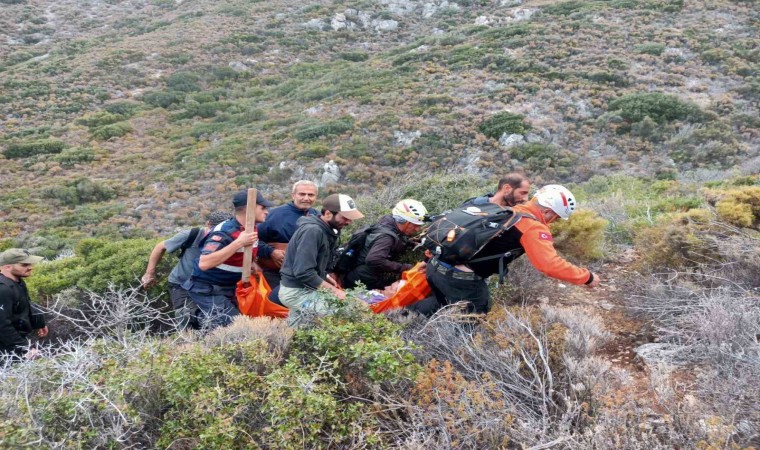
x=18, y=317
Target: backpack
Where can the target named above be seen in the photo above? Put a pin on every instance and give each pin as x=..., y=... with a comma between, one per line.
x=458, y=235
x=188, y=242
x=346, y=258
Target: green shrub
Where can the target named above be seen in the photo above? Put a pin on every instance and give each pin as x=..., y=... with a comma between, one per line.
x=97, y=263
x=659, y=107
x=503, y=122
x=72, y=156
x=537, y=157
x=114, y=130
x=303, y=409
x=314, y=150
x=333, y=127
x=712, y=145
x=82, y=190
x=684, y=241
x=164, y=99
x=564, y=8
x=354, y=56
x=124, y=109
x=212, y=397
x=39, y=147
x=581, y=237
x=183, y=82
x=650, y=49
x=739, y=206
x=99, y=119
x=365, y=347
x=85, y=215
x=204, y=110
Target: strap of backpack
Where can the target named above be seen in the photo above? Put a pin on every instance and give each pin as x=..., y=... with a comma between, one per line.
x=512, y=253
x=189, y=241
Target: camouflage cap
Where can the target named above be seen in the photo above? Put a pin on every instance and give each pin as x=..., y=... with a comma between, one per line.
x=18, y=256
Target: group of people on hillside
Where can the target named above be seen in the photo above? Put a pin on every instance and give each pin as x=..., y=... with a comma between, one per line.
x=294, y=244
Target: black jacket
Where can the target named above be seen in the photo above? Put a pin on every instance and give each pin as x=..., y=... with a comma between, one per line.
x=308, y=254
x=383, y=248
x=18, y=317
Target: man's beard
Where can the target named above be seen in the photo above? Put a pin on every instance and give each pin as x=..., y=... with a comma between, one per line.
x=510, y=199
x=335, y=224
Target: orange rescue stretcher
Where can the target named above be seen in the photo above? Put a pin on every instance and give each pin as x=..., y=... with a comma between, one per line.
x=253, y=300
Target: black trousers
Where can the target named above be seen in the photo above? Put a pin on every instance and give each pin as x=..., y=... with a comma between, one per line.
x=371, y=278
x=449, y=290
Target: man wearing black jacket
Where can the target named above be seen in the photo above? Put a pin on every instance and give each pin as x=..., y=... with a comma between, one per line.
x=18, y=317
x=309, y=252
x=378, y=265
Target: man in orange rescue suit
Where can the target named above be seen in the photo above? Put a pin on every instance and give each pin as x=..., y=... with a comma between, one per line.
x=466, y=282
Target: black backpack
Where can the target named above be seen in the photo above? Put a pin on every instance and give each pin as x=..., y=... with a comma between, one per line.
x=458, y=235
x=347, y=257
x=188, y=242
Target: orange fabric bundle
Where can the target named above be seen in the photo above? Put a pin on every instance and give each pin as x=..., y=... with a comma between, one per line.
x=254, y=300
x=415, y=289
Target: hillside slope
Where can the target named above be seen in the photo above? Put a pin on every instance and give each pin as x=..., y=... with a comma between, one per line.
x=131, y=117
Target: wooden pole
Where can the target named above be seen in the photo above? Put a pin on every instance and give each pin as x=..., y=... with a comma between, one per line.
x=250, y=223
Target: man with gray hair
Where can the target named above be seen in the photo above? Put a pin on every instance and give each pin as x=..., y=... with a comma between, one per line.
x=278, y=229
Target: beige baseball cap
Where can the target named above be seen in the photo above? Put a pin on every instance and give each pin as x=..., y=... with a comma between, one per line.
x=18, y=256
x=343, y=204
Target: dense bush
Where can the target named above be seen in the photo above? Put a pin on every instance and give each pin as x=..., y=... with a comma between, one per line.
x=97, y=263
x=680, y=242
x=333, y=127
x=40, y=147
x=549, y=161
x=106, y=132
x=183, y=82
x=71, y=156
x=738, y=206
x=503, y=122
x=709, y=145
x=581, y=237
x=100, y=118
x=659, y=107
x=164, y=99
x=82, y=190
x=650, y=49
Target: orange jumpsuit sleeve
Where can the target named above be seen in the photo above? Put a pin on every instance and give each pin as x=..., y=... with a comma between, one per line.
x=538, y=243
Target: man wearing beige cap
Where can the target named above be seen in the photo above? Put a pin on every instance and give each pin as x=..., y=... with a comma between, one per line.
x=309, y=252
x=18, y=318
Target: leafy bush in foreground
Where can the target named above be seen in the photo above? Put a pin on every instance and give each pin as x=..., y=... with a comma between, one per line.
x=739, y=206
x=581, y=237
x=96, y=264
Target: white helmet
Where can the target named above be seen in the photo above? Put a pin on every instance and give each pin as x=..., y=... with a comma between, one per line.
x=557, y=198
x=410, y=211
